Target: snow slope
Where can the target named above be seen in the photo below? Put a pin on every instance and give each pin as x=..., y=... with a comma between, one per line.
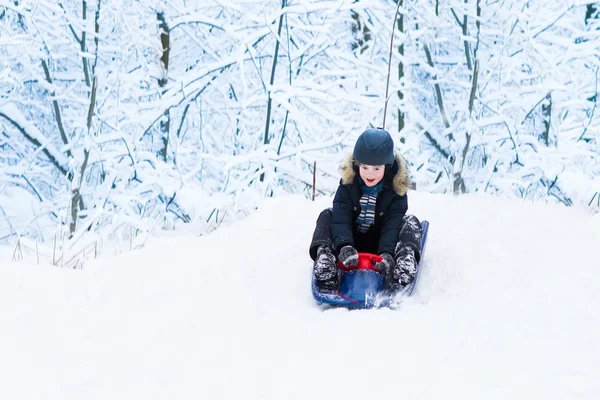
x=506, y=309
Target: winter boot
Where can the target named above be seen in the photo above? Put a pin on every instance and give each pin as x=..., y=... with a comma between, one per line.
x=404, y=271
x=325, y=269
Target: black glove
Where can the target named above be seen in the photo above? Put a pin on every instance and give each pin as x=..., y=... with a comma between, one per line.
x=386, y=264
x=348, y=256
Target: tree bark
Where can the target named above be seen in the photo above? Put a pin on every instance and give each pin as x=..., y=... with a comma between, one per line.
x=165, y=40
x=547, y=113
x=267, y=139
x=83, y=45
x=465, y=31
x=401, y=121
x=76, y=200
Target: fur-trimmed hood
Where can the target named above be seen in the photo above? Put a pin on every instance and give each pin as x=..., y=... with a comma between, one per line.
x=400, y=181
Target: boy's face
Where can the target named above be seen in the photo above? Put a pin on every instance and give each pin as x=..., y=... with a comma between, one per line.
x=371, y=174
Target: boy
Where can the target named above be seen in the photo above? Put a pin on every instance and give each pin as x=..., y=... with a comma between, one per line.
x=369, y=215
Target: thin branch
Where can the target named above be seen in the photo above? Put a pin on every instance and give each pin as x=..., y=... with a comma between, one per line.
x=593, y=109
x=77, y=39
x=185, y=111
x=532, y=109
x=434, y=142
x=272, y=80
x=438, y=90
x=57, y=113
x=92, y=103
x=189, y=22
x=186, y=99
x=12, y=230
x=32, y=188
x=510, y=134
x=474, y=87
x=285, y=121
x=36, y=143
x=456, y=18
x=553, y=22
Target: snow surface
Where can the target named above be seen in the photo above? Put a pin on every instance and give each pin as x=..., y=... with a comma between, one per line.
x=506, y=309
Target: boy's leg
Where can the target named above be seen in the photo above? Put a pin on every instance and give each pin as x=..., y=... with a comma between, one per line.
x=321, y=251
x=407, y=254
x=322, y=233
x=410, y=235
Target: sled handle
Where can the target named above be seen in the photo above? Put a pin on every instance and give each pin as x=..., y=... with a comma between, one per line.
x=366, y=261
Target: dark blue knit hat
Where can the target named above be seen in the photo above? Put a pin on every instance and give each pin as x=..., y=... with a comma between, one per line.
x=374, y=147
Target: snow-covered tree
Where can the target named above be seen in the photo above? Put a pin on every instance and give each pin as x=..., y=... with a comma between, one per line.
x=121, y=116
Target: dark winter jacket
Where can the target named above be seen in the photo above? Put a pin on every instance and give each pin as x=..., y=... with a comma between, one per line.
x=392, y=204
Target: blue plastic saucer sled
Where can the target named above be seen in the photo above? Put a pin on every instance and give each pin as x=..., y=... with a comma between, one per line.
x=363, y=286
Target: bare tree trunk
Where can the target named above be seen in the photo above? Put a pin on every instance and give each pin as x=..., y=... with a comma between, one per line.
x=478, y=24
x=458, y=180
x=473, y=87
x=465, y=31
x=78, y=178
x=96, y=38
x=547, y=113
x=83, y=45
x=76, y=194
x=165, y=123
x=287, y=112
x=88, y=71
x=401, y=121
x=267, y=139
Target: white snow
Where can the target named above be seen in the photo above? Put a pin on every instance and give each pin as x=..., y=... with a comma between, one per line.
x=506, y=310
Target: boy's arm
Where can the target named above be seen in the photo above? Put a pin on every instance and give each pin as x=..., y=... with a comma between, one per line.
x=392, y=221
x=341, y=219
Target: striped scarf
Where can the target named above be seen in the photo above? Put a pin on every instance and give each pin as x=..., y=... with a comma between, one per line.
x=366, y=218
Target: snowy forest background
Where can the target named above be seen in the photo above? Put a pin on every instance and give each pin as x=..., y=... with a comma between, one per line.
x=119, y=118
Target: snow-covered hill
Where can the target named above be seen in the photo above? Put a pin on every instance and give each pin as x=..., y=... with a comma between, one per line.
x=506, y=309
